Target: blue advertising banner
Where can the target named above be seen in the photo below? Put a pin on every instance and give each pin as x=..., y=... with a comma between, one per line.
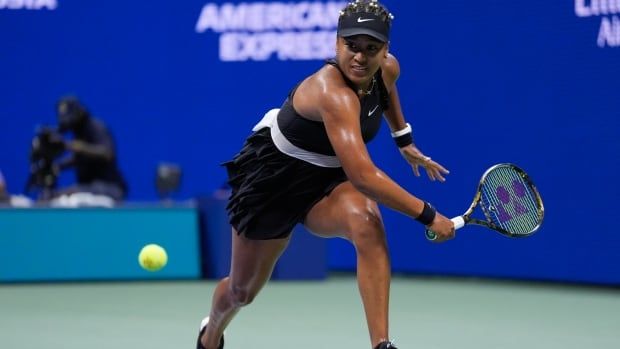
x=481, y=83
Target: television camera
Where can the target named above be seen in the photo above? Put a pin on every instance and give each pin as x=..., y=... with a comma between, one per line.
x=47, y=145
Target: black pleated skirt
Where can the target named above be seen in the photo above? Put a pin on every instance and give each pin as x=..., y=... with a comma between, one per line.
x=272, y=191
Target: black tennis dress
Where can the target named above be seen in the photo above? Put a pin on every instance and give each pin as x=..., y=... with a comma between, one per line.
x=287, y=165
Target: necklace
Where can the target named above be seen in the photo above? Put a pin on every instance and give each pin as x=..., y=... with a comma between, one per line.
x=363, y=92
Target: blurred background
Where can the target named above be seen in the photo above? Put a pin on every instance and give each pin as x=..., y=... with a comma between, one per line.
x=176, y=87
x=179, y=86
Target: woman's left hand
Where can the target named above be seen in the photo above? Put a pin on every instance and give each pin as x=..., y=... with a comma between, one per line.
x=415, y=157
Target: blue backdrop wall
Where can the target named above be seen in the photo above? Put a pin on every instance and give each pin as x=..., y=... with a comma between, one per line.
x=482, y=82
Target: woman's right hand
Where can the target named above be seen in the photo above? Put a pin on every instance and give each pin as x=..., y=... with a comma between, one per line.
x=442, y=227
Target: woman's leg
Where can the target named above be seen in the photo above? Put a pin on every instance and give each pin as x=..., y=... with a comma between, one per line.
x=350, y=214
x=252, y=263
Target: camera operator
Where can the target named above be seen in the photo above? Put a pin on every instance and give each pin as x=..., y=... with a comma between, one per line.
x=92, y=152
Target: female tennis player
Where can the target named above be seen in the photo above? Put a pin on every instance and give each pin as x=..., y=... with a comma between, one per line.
x=307, y=163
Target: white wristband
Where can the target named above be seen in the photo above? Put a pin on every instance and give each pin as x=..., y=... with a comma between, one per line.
x=404, y=131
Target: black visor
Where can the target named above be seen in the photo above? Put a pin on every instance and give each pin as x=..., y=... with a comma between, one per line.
x=364, y=24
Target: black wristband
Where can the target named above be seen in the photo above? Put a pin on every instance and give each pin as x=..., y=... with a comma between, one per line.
x=404, y=140
x=428, y=214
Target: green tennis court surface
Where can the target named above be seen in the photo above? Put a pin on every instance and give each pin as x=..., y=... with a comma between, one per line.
x=425, y=313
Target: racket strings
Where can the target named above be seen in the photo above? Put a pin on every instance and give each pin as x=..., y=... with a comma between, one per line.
x=510, y=201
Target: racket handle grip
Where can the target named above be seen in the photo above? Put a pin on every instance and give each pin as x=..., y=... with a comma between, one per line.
x=458, y=221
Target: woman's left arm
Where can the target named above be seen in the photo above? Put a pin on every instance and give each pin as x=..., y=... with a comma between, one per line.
x=401, y=130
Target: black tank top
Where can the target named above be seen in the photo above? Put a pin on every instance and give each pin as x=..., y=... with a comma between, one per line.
x=310, y=135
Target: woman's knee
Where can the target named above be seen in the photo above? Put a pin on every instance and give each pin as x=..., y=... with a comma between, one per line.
x=364, y=226
x=242, y=295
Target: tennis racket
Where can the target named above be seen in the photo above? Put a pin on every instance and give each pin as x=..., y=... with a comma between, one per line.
x=509, y=201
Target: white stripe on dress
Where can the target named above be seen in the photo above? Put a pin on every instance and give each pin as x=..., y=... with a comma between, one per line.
x=271, y=120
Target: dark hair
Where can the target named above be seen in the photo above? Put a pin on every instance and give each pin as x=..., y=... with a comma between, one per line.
x=71, y=113
x=367, y=6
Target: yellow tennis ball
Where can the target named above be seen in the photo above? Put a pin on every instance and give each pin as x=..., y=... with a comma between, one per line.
x=152, y=257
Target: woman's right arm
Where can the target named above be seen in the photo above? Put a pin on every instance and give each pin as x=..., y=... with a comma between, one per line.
x=339, y=109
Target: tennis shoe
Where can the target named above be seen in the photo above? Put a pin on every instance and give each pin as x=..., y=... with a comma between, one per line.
x=203, y=326
x=385, y=345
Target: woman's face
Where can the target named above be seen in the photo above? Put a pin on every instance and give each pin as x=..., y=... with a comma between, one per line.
x=360, y=56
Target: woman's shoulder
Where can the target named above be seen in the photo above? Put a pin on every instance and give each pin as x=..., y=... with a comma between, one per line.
x=330, y=77
x=326, y=81
x=323, y=90
x=390, y=68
